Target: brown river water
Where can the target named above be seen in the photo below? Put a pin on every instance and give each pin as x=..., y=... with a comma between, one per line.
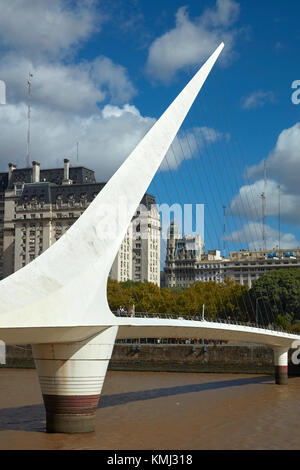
x=145, y=410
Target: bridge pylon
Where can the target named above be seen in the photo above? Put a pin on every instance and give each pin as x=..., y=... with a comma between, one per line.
x=281, y=365
x=71, y=377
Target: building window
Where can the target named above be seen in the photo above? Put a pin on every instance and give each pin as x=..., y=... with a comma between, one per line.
x=18, y=189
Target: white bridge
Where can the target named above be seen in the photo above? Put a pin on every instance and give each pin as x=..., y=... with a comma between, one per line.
x=158, y=325
x=58, y=302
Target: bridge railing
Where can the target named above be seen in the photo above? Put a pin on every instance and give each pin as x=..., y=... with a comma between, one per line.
x=173, y=316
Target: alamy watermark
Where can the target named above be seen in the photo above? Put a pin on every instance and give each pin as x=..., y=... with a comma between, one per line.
x=2, y=352
x=2, y=92
x=158, y=220
x=295, y=358
x=296, y=94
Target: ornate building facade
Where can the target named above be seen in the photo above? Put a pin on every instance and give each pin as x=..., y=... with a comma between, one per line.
x=38, y=206
x=187, y=262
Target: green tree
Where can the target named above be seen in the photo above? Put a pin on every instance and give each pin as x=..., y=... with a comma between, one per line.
x=221, y=300
x=279, y=292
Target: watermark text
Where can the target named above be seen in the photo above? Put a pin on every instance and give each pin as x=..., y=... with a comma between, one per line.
x=296, y=94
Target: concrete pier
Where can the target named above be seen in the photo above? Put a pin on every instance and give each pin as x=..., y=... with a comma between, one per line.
x=281, y=366
x=71, y=376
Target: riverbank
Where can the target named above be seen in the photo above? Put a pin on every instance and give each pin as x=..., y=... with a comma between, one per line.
x=252, y=359
x=241, y=359
x=193, y=358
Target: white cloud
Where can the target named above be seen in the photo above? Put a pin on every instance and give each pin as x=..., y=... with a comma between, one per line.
x=66, y=94
x=251, y=233
x=105, y=138
x=225, y=13
x=55, y=86
x=72, y=88
x=257, y=99
x=113, y=76
x=115, y=111
x=66, y=97
x=188, y=144
x=43, y=27
x=283, y=162
x=191, y=41
x=248, y=202
x=283, y=168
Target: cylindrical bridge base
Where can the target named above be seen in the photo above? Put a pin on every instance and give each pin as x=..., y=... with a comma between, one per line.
x=70, y=414
x=281, y=366
x=281, y=375
x=71, y=377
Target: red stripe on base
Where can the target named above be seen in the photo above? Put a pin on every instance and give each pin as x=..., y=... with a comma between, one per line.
x=283, y=369
x=71, y=405
x=281, y=375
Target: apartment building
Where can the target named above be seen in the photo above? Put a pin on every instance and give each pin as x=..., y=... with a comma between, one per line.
x=146, y=242
x=38, y=206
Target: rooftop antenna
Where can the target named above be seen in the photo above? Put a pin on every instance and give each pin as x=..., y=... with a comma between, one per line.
x=224, y=231
x=263, y=202
x=28, y=116
x=77, y=150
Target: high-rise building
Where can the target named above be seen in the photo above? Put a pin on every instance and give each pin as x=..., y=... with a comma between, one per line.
x=38, y=206
x=146, y=242
x=139, y=256
x=121, y=269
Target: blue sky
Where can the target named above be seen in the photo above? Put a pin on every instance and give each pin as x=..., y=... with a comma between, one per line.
x=104, y=71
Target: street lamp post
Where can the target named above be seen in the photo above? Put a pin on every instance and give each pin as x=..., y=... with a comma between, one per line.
x=203, y=310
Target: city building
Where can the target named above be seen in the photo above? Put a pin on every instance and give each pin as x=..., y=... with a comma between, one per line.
x=146, y=242
x=183, y=254
x=245, y=270
x=38, y=206
x=186, y=262
x=139, y=256
x=264, y=254
x=121, y=269
x=211, y=270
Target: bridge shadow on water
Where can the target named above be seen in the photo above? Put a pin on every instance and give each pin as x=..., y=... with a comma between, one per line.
x=32, y=417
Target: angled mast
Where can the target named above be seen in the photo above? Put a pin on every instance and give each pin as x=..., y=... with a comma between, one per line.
x=66, y=285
